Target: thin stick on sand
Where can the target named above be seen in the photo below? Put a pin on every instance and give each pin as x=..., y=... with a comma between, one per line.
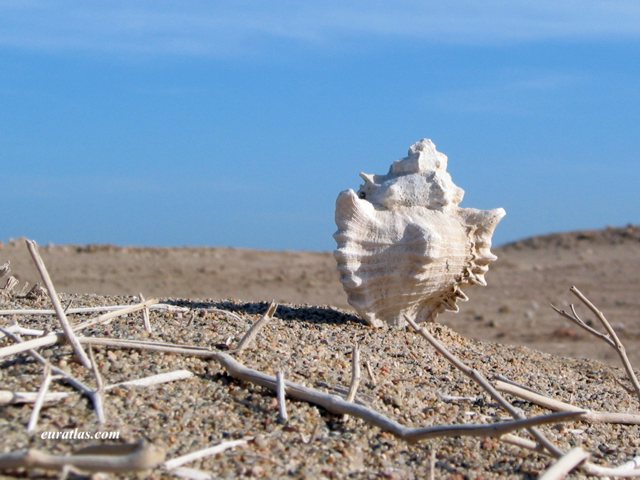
x=478, y=378
x=35, y=413
x=565, y=464
x=372, y=377
x=590, y=416
x=145, y=315
x=355, y=373
x=23, y=331
x=104, y=308
x=152, y=379
x=70, y=379
x=205, y=452
x=55, y=337
x=282, y=401
x=256, y=327
x=99, y=404
x=333, y=403
x=101, y=458
x=627, y=469
x=106, y=318
x=8, y=397
x=62, y=317
x=610, y=337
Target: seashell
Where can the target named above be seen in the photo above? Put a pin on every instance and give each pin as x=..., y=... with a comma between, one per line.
x=405, y=247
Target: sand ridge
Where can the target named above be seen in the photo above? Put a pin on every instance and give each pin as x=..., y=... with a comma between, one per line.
x=312, y=345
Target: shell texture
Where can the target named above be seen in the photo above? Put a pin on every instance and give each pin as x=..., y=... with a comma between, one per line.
x=405, y=247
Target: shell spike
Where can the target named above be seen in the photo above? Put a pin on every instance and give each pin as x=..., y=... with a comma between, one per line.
x=460, y=294
x=368, y=178
x=450, y=304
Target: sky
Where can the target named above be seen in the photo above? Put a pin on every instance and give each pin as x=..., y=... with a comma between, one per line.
x=206, y=123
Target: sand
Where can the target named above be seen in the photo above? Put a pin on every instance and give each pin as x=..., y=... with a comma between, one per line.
x=512, y=309
x=311, y=341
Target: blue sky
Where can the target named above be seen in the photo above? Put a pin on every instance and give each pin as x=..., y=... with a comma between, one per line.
x=238, y=123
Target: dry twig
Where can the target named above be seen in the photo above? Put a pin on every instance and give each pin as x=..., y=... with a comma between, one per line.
x=103, y=458
x=565, y=464
x=206, y=452
x=7, y=397
x=62, y=317
x=333, y=403
x=590, y=416
x=628, y=469
x=478, y=378
x=610, y=337
x=145, y=315
x=256, y=327
x=282, y=402
x=98, y=392
x=70, y=379
x=35, y=413
x=55, y=337
x=372, y=377
x=337, y=405
x=17, y=329
x=153, y=379
x=355, y=373
x=104, y=308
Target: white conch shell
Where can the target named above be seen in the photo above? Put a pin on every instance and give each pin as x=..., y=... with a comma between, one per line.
x=405, y=247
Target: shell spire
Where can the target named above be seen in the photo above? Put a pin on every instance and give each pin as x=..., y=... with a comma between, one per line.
x=405, y=247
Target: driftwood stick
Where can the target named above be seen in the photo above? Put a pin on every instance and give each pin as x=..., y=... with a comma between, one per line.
x=153, y=379
x=107, y=317
x=478, y=378
x=98, y=392
x=164, y=347
x=70, y=379
x=355, y=373
x=145, y=315
x=432, y=464
x=119, y=459
x=35, y=413
x=62, y=317
x=627, y=469
x=613, y=336
x=565, y=464
x=104, y=308
x=7, y=397
x=372, y=377
x=33, y=344
x=192, y=474
x=590, y=416
x=333, y=403
x=256, y=327
x=282, y=402
x=337, y=405
x=206, y=452
x=55, y=337
x=17, y=329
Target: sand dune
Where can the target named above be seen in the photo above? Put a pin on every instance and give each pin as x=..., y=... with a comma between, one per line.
x=514, y=308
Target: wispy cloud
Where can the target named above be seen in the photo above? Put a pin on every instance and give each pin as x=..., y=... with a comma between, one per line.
x=198, y=27
x=511, y=95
